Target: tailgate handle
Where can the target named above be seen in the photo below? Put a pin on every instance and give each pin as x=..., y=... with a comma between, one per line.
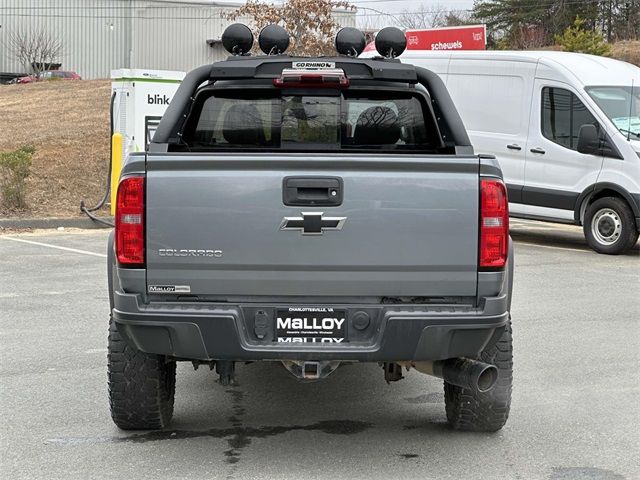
x=307, y=191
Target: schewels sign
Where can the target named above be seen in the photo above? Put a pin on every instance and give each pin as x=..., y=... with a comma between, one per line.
x=467, y=37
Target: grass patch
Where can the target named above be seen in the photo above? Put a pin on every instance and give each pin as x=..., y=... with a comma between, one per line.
x=15, y=167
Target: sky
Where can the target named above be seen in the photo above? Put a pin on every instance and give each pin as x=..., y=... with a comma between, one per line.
x=375, y=14
x=369, y=10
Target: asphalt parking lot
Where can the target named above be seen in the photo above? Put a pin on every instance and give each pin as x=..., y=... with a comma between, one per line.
x=575, y=410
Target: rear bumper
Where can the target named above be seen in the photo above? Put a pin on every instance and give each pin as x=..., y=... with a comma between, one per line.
x=199, y=331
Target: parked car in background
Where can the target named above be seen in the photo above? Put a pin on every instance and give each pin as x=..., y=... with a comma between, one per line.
x=50, y=75
x=565, y=128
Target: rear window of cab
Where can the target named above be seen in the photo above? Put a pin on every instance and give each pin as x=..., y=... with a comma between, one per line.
x=307, y=122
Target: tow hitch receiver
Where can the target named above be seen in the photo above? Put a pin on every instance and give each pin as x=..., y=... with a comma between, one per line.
x=310, y=371
x=392, y=372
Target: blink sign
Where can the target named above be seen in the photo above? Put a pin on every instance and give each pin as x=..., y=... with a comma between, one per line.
x=468, y=37
x=157, y=99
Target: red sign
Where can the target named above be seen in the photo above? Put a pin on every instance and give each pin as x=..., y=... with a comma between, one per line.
x=468, y=37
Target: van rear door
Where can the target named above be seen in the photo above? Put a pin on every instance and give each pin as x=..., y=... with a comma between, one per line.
x=496, y=112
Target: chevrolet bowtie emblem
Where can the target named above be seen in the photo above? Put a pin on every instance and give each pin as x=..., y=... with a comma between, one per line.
x=312, y=223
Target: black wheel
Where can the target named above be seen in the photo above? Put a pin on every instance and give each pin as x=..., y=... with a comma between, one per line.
x=609, y=226
x=484, y=412
x=141, y=386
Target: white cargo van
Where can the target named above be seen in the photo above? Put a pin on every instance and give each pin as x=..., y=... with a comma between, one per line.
x=565, y=128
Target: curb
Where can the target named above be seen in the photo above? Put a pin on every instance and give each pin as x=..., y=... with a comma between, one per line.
x=69, y=222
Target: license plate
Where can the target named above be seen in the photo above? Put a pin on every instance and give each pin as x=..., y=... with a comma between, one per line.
x=311, y=325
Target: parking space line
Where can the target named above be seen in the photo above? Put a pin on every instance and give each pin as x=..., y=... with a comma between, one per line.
x=103, y=255
x=550, y=246
x=58, y=247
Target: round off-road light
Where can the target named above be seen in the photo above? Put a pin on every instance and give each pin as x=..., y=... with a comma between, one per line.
x=350, y=41
x=237, y=39
x=273, y=39
x=390, y=42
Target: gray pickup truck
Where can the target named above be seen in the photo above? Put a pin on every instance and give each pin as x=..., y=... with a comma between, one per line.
x=311, y=212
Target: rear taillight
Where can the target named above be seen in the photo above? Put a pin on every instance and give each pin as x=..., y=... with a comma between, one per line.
x=494, y=224
x=328, y=78
x=130, y=221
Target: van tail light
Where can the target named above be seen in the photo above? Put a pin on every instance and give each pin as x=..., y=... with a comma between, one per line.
x=327, y=78
x=494, y=224
x=130, y=221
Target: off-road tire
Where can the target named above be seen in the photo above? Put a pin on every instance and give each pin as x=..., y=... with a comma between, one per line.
x=628, y=235
x=473, y=411
x=141, y=386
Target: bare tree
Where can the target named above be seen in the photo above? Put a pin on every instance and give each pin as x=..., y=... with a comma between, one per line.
x=371, y=22
x=310, y=23
x=430, y=16
x=458, y=18
x=35, y=49
x=528, y=37
x=373, y=19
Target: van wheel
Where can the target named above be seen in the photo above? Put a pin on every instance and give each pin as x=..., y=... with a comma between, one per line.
x=473, y=411
x=609, y=226
x=141, y=386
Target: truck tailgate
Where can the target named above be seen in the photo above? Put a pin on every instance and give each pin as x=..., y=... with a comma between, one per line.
x=409, y=226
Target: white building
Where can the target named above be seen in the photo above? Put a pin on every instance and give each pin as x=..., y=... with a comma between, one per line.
x=101, y=35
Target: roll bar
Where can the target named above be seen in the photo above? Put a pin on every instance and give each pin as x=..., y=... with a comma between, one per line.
x=176, y=112
x=443, y=106
x=168, y=131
